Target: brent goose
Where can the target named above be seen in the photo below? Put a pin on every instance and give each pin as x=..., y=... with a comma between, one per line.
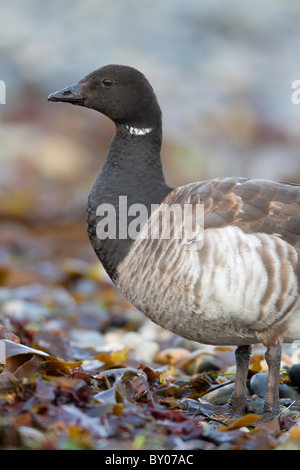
x=233, y=279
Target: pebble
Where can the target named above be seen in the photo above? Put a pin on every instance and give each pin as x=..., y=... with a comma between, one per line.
x=143, y=349
x=153, y=332
x=75, y=267
x=51, y=297
x=5, y=294
x=190, y=345
x=285, y=391
x=294, y=375
x=86, y=338
x=204, y=360
x=33, y=292
x=171, y=355
x=22, y=309
x=113, y=340
x=92, y=317
x=82, y=287
x=30, y=437
x=199, y=363
x=147, y=351
x=258, y=386
x=131, y=340
x=256, y=403
x=220, y=396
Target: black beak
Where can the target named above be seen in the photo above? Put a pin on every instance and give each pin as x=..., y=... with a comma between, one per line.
x=71, y=94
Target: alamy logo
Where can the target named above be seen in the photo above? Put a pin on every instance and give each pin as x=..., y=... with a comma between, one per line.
x=2, y=92
x=181, y=222
x=2, y=352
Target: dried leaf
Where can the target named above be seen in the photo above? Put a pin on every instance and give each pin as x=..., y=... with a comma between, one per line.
x=29, y=367
x=295, y=433
x=248, y=420
x=10, y=348
x=26, y=365
x=113, y=357
x=255, y=364
x=54, y=366
x=119, y=355
x=118, y=409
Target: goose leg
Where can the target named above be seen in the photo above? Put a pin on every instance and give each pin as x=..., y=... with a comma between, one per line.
x=237, y=405
x=271, y=405
x=238, y=402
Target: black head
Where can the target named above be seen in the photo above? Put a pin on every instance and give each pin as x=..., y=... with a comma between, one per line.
x=120, y=92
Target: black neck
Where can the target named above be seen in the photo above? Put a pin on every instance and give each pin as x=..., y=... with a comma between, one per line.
x=135, y=155
x=133, y=169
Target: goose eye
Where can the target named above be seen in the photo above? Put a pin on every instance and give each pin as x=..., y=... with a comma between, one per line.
x=107, y=81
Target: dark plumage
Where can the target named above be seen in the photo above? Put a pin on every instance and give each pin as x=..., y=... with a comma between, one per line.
x=236, y=282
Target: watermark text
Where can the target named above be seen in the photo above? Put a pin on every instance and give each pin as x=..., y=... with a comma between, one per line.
x=2, y=92
x=162, y=221
x=295, y=96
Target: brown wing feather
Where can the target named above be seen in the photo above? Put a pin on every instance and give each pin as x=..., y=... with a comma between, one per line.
x=253, y=205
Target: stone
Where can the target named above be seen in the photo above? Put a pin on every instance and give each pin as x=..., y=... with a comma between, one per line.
x=220, y=396
x=258, y=386
x=294, y=375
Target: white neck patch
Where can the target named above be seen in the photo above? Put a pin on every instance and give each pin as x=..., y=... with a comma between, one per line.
x=137, y=131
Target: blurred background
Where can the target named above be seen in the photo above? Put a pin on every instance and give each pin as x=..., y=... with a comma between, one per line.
x=222, y=72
